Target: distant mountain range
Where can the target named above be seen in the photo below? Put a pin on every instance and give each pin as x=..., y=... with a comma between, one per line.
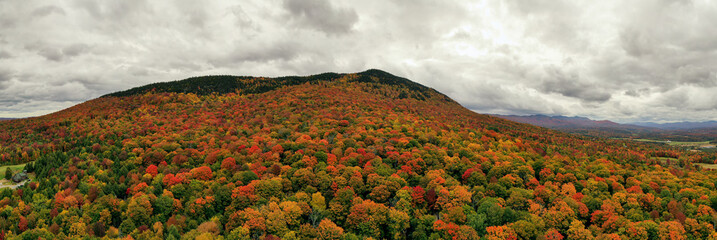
x=563, y=122
x=680, y=131
x=678, y=125
x=574, y=122
x=3, y=119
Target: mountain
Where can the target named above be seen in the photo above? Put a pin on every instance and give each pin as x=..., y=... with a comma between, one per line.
x=684, y=131
x=334, y=156
x=564, y=122
x=251, y=85
x=679, y=125
x=582, y=125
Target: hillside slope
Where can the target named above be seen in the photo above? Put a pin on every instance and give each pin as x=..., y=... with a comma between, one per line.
x=334, y=156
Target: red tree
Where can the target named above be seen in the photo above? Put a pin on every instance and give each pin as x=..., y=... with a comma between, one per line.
x=202, y=173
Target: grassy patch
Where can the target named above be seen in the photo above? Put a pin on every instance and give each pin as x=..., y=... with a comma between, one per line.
x=709, y=150
x=14, y=168
x=706, y=165
x=673, y=161
x=685, y=144
x=705, y=146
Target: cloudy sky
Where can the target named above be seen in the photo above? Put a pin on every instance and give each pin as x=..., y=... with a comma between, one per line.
x=625, y=61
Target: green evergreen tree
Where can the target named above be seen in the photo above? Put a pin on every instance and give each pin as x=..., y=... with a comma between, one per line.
x=8, y=173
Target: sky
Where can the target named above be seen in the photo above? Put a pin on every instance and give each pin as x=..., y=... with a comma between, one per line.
x=624, y=61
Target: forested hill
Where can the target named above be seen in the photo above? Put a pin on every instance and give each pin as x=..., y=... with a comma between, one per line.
x=334, y=156
x=251, y=85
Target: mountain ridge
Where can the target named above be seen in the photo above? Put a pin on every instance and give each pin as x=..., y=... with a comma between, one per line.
x=567, y=122
x=685, y=125
x=222, y=84
x=682, y=131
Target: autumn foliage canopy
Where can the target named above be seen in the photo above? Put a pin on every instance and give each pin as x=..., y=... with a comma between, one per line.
x=335, y=156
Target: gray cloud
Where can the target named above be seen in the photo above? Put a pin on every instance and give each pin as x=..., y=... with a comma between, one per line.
x=624, y=61
x=570, y=85
x=51, y=54
x=279, y=51
x=75, y=49
x=321, y=15
x=47, y=10
x=4, y=54
x=5, y=78
x=635, y=43
x=696, y=75
x=637, y=92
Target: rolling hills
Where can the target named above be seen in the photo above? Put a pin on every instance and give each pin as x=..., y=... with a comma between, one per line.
x=679, y=125
x=678, y=131
x=558, y=122
x=582, y=125
x=335, y=156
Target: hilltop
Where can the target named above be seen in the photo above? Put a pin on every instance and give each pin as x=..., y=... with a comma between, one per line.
x=252, y=85
x=335, y=156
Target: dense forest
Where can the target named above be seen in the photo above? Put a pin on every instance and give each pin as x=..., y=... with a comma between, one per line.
x=335, y=156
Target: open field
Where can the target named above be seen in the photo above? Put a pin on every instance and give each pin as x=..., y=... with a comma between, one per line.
x=664, y=160
x=675, y=161
x=14, y=168
x=671, y=143
x=644, y=140
x=704, y=145
x=707, y=165
x=710, y=150
x=690, y=144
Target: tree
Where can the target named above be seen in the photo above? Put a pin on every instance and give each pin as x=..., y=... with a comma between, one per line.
x=202, y=173
x=525, y=229
x=500, y=232
x=152, y=170
x=672, y=230
x=163, y=207
x=127, y=226
x=328, y=230
x=229, y=164
x=8, y=173
x=577, y=231
x=139, y=210
x=318, y=202
x=368, y=218
x=22, y=224
x=399, y=222
x=380, y=194
x=553, y=234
